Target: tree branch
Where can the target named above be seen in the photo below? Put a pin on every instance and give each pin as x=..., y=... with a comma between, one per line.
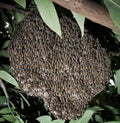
x=91, y=10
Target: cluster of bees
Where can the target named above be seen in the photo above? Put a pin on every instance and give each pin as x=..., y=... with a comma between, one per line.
x=65, y=73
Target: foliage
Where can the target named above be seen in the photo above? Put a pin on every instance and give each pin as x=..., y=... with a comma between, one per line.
x=117, y=80
x=113, y=7
x=8, y=78
x=16, y=107
x=49, y=14
x=80, y=20
x=21, y=2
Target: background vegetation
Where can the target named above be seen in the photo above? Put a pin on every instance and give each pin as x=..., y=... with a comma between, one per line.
x=17, y=107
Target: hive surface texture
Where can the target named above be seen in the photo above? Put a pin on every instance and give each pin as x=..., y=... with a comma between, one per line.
x=65, y=73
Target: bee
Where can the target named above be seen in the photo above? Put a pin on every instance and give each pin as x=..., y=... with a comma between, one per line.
x=65, y=73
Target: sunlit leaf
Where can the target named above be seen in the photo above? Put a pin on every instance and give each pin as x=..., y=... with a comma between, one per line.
x=6, y=111
x=44, y=119
x=49, y=15
x=24, y=99
x=21, y=103
x=112, y=122
x=57, y=121
x=117, y=80
x=74, y=121
x=21, y=2
x=85, y=118
x=113, y=7
x=96, y=108
x=9, y=118
x=80, y=20
x=8, y=78
x=12, y=105
x=4, y=89
x=19, y=120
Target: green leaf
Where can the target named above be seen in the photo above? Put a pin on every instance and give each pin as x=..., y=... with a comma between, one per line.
x=117, y=80
x=24, y=99
x=19, y=16
x=6, y=67
x=114, y=111
x=117, y=36
x=98, y=119
x=112, y=122
x=6, y=111
x=74, y=121
x=44, y=119
x=2, y=100
x=4, y=89
x=80, y=20
x=49, y=15
x=96, y=108
x=5, y=45
x=113, y=7
x=2, y=119
x=21, y=103
x=4, y=53
x=8, y=78
x=85, y=118
x=9, y=118
x=21, y=2
x=19, y=120
x=57, y=121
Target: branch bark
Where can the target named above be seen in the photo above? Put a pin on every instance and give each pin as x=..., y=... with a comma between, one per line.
x=91, y=10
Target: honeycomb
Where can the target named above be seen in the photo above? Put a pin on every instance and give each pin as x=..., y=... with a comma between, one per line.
x=65, y=73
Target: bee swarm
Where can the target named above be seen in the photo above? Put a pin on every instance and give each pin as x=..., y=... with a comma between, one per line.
x=65, y=73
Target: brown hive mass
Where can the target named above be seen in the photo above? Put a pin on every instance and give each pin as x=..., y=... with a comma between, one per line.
x=65, y=73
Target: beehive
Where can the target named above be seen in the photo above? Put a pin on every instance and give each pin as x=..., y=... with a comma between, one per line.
x=65, y=73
